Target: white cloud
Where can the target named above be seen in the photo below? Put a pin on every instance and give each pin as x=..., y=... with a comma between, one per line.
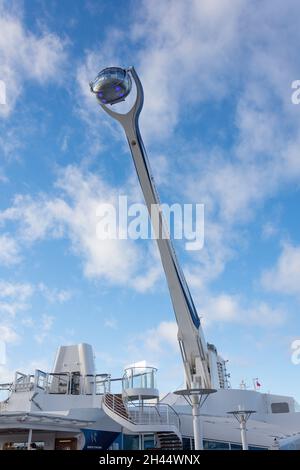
x=9, y=251
x=27, y=321
x=148, y=279
x=209, y=263
x=269, y=230
x=161, y=337
x=20, y=291
x=111, y=323
x=73, y=215
x=264, y=315
x=14, y=297
x=8, y=334
x=12, y=307
x=44, y=328
x=26, y=56
x=6, y=375
x=41, y=363
x=186, y=51
x=55, y=295
x=36, y=216
x=284, y=277
x=221, y=308
x=234, y=309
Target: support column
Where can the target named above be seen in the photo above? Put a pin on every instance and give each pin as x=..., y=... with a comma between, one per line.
x=243, y=434
x=242, y=417
x=197, y=426
x=196, y=397
x=29, y=438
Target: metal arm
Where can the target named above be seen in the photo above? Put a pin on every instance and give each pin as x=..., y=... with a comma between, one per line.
x=190, y=335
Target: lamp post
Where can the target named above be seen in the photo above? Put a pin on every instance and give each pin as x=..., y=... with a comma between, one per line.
x=242, y=417
x=196, y=397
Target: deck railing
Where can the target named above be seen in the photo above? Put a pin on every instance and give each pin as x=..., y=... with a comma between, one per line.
x=154, y=414
x=65, y=383
x=150, y=414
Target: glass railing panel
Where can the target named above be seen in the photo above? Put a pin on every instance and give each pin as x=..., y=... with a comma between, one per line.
x=102, y=384
x=41, y=379
x=140, y=377
x=58, y=383
x=154, y=414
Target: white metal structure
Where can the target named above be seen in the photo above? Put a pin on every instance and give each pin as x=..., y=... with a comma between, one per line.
x=200, y=364
x=190, y=335
x=73, y=407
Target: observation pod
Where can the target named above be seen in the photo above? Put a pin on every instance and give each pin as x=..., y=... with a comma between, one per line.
x=111, y=85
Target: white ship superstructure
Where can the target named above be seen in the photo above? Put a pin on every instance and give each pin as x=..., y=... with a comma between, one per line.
x=74, y=408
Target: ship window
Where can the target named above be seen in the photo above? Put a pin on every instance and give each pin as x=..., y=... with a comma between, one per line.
x=215, y=445
x=236, y=446
x=280, y=407
x=131, y=441
x=148, y=440
x=257, y=448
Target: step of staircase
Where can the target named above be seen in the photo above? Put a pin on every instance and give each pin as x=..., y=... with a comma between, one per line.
x=168, y=441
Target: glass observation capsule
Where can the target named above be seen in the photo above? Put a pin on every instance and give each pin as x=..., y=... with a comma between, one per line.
x=111, y=85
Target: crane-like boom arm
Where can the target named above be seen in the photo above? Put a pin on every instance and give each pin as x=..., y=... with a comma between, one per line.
x=190, y=335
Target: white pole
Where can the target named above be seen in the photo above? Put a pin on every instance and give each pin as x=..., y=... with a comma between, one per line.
x=197, y=427
x=29, y=439
x=243, y=433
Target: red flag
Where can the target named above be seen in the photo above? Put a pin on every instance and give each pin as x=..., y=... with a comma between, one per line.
x=258, y=384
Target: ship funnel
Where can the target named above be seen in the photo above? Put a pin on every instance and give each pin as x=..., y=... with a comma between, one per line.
x=75, y=358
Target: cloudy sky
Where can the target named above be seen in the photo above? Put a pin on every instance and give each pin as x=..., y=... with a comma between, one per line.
x=220, y=128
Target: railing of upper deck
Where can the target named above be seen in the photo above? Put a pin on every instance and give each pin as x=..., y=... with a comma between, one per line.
x=62, y=384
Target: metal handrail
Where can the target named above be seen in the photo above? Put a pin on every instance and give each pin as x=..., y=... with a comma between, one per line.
x=152, y=413
x=133, y=404
x=113, y=407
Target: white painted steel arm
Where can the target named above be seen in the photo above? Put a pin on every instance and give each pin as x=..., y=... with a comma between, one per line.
x=190, y=335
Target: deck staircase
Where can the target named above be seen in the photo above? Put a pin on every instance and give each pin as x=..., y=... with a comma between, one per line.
x=160, y=419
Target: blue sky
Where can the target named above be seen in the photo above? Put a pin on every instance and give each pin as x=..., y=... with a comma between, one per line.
x=220, y=129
